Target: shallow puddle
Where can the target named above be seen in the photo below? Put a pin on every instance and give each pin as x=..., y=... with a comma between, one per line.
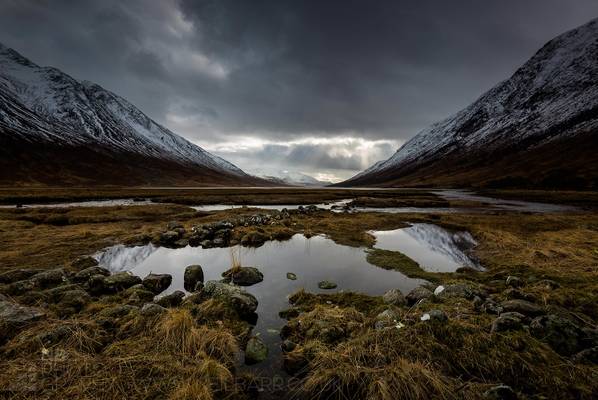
x=312, y=260
x=434, y=248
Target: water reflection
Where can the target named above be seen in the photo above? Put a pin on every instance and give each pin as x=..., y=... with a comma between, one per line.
x=312, y=260
x=434, y=248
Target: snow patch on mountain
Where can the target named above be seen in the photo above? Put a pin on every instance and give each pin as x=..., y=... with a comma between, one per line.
x=551, y=96
x=44, y=103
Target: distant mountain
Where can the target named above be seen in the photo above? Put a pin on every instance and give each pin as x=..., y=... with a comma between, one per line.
x=289, y=178
x=57, y=130
x=537, y=129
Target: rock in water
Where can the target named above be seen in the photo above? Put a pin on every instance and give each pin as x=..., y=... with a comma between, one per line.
x=291, y=276
x=326, y=285
x=157, y=283
x=242, y=302
x=256, y=351
x=244, y=276
x=193, y=275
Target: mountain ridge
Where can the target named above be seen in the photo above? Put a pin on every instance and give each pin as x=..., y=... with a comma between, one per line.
x=43, y=110
x=550, y=101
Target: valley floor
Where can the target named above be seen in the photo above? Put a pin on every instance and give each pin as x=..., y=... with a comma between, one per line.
x=525, y=327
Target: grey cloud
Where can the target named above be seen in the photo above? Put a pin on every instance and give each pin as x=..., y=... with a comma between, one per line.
x=284, y=69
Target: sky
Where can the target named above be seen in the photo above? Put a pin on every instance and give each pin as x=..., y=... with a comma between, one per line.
x=325, y=88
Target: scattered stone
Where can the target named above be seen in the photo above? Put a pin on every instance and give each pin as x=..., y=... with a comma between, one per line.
x=523, y=307
x=157, y=283
x=49, y=278
x=291, y=276
x=516, y=294
x=439, y=289
x=194, y=298
x=152, y=309
x=139, y=294
x=256, y=351
x=435, y=315
x=74, y=299
x=394, y=297
x=418, y=294
x=326, y=285
x=243, y=276
x=13, y=317
x=491, y=307
x=288, y=345
x=193, y=275
x=181, y=243
x=171, y=300
x=388, y=318
x=241, y=301
x=84, y=262
x=548, y=284
x=254, y=239
x=85, y=274
x=565, y=337
x=458, y=290
x=587, y=356
x=500, y=392
x=119, y=282
x=117, y=311
x=169, y=237
x=509, y=321
x=513, y=281
x=16, y=275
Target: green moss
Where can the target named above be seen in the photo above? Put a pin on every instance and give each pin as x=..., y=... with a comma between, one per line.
x=397, y=261
x=306, y=301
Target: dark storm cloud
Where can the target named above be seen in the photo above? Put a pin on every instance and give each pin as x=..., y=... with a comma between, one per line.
x=284, y=69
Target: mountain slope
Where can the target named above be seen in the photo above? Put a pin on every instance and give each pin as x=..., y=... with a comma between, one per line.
x=538, y=128
x=57, y=130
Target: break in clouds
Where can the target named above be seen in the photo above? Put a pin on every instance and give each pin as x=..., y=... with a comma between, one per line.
x=324, y=87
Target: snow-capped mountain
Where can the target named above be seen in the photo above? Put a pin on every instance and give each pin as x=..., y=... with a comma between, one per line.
x=286, y=177
x=537, y=128
x=44, y=110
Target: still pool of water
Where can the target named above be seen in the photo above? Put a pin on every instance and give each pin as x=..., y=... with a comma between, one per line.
x=435, y=249
x=312, y=260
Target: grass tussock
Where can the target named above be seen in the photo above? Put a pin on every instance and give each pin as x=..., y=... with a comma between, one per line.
x=397, y=261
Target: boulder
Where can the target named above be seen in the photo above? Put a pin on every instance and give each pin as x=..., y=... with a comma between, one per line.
x=326, y=285
x=500, y=392
x=85, y=274
x=394, y=297
x=16, y=275
x=49, y=278
x=242, y=302
x=100, y=284
x=490, y=306
x=243, y=276
x=418, y=294
x=256, y=351
x=508, y=321
x=138, y=295
x=169, y=237
x=74, y=299
x=152, y=309
x=435, y=316
x=458, y=290
x=522, y=306
x=157, y=283
x=14, y=317
x=84, y=262
x=516, y=294
x=171, y=300
x=565, y=337
x=193, y=275
x=388, y=318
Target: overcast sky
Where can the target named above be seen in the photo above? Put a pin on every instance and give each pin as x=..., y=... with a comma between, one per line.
x=321, y=87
